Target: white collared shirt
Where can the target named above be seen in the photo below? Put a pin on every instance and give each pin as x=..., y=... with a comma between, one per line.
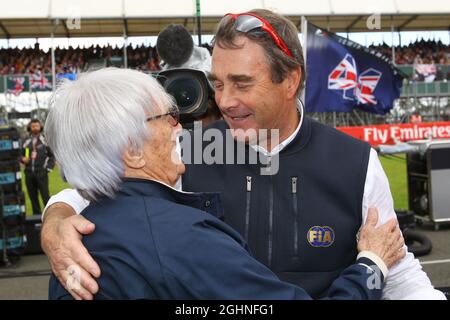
x=405, y=280
x=283, y=144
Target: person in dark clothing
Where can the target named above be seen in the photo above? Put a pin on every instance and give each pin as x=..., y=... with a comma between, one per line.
x=153, y=241
x=301, y=206
x=39, y=160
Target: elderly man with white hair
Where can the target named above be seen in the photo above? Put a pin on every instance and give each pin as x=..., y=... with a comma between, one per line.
x=113, y=132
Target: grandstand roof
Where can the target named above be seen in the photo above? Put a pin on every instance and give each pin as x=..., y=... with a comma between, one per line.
x=35, y=18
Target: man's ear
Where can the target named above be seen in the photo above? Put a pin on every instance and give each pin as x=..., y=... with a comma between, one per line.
x=134, y=158
x=293, y=82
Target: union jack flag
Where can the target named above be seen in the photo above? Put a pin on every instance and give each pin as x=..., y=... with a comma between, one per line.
x=345, y=77
x=18, y=85
x=38, y=80
x=367, y=82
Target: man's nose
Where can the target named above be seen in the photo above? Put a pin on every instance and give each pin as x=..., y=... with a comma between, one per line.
x=226, y=99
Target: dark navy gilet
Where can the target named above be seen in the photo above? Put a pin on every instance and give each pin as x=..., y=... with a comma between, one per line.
x=301, y=222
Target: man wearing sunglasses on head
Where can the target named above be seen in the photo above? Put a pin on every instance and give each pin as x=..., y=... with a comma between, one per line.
x=303, y=221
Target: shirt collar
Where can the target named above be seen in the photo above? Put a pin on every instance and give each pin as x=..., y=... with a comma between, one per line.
x=277, y=149
x=205, y=201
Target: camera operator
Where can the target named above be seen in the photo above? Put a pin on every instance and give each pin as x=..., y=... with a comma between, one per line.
x=177, y=51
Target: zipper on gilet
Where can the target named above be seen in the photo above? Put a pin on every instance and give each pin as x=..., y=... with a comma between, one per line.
x=295, y=207
x=247, y=206
x=270, y=241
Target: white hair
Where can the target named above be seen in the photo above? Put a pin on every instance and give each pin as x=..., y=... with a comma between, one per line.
x=94, y=119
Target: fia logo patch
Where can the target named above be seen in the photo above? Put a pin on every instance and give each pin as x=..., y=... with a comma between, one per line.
x=320, y=236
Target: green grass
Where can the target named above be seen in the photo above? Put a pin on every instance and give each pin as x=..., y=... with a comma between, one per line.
x=56, y=184
x=395, y=168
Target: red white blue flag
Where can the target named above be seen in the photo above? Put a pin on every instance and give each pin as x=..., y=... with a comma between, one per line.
x=343, y=75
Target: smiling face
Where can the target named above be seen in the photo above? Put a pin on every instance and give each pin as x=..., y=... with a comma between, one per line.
x=158, y=158
x=245, y=93
x=162, y=161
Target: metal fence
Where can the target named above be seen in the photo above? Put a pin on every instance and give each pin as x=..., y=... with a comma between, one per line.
x=426, y=89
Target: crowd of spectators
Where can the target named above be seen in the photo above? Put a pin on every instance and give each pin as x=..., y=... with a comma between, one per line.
x=419, y=52
x=28, y=60
x=430, y=59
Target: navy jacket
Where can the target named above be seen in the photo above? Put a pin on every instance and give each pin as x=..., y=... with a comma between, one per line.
x=153, y=242
x=319, y=186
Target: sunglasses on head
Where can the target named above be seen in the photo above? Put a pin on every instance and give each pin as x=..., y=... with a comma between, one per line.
x=246, y=22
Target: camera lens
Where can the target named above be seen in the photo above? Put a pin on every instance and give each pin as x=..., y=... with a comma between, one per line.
x=186, y=91
x=190, y=90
